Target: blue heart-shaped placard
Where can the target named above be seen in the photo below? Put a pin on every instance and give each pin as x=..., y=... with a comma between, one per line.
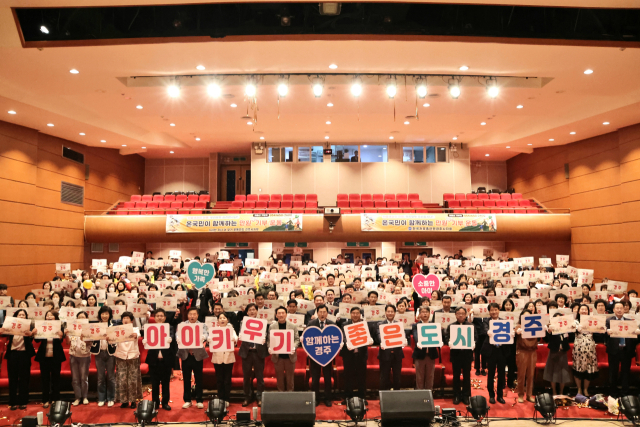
x=200, y=274
x=322, y=345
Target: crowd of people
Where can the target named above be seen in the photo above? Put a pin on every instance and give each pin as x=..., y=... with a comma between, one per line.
x=302, y=294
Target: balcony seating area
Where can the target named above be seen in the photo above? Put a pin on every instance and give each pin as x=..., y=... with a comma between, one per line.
x=485, y=203
x=384, y=203
x=169, y=204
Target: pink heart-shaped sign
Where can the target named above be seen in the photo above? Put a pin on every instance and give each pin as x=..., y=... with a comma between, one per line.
x=425, y=285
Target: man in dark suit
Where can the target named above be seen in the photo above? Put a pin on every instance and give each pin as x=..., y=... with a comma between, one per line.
x=327, y=371
x=318, y=300
x=446, y=305
x=390, y=358
x=355, y=360
x=161, y=362
x=253, y=356
x=461, y=360
x=621, y=351
x=496, y=356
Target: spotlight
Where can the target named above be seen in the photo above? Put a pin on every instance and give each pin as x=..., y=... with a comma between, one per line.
x=59, y=412
x=478, y=408
x=545, y=405
x=356, y=409
x=214, y=90
x=283, y=87
x=285, y=17
x=391, y=88
x=454, y=89
x=318, y=86
x=331, y=9
x=145, y=412
x=630, y=407
x=44, y=29
x=421, y=88
x=492, y=88
x=173, y=90
x=216, y=411
x=250, y=90
x=356, y=87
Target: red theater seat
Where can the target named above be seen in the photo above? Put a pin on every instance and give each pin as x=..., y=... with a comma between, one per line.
x=373, y=368
x=384, y=210
x=507, y=211
x=512, y=203
x=172, y=212
x=298, y=204
x=524, y=202
x=297, y=211
x=494, y=196
x=496, y=211
x=299, y=198
x=477, y=203
x=388, y=197
x=264, y=197
x=408, y=211
x=404, y=204
x=170, y=198
x=136, y=197
x=250, y=205
x=448, y=196
x=401, y=196
x=484, y=211
x=345, y=211
x=342, y=197
x=367, y=204
x=532, y=211
x=193, y=198
x=276, y=197
x=176, y=205
x=261, y=204
x=501, y=203
x=312, y=198
x=158, y=211
x=483, y=196
x=505, y=196
x=380, y=204
x=274, y=205
x=342, y=203
x=311, y=211
x=202, y=205
x=367, y=197
x=129, y=205
x=252, y=198
x=147, y=198
x=287, y=197
x=372, y=211
x=189, y=205
x=471, y=196
x=158, y=198
x=286, y=204
x=465, y=203
x=454, y=203
x=414, y=196
x=355, y=203
x=489, y=203
x=445, y=359
x=204, y=198
x=184, y=211
x=354, y=197
x=236, y=204
x=357, y=211
x=378, y=198
x=461, y=196
x=516, y=196
x=392, y=203
x=181, y=198
x=152, y=205
x=284, y=211
x=416, y=204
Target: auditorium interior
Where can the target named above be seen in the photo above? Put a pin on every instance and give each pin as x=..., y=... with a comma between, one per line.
x=488, y=130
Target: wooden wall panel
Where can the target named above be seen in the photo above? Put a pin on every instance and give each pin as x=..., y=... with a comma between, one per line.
x=37, y=230
x=602, y=192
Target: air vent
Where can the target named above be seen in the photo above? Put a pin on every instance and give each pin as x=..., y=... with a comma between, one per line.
x=114, y=247
x=71, y=194
x=70, y=154
x=97, y=248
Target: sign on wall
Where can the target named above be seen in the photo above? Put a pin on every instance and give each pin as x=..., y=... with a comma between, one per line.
x=233, y=223
x=429, y=222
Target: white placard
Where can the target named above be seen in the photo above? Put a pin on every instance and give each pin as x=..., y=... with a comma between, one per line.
x=253, y=330
x=281, y=341
x=16, y=326
x=121, y=333
x=189, y=335
x=157, y=336
x=47, y=328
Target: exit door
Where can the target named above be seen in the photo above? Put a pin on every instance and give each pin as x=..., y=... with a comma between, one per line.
x=236, y=180
x=355, y=254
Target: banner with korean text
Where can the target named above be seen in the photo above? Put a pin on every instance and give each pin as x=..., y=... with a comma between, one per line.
x=233, y=223
x=429, y=222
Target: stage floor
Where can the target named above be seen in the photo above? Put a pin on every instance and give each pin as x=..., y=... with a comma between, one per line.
x=92, y=414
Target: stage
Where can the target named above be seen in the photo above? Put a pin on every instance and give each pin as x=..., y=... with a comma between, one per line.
x=92, y=414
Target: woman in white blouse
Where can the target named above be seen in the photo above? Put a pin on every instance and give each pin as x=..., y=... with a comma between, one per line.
x=128, y=376
x=223, y=362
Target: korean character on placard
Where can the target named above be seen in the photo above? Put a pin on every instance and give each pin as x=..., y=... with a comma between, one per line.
x=429, y=335
x=532, y=327
x=501, y=332
x=462, y=337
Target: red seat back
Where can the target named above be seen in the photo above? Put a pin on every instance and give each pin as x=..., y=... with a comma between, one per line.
x=264, y=197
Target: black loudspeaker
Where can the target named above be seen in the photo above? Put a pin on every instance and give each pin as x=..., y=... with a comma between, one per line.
x=410, y=407
x=296, y=408
x=30, y=421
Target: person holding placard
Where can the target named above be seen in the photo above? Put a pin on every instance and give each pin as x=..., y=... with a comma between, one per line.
x=460, y=359
x=480, y=362
x=355, y=359
x=424, y=359
x=19, y=351
x=105, y=361
x=192, y=361
x=512, y=365
x=129, y=378
x=50, y=357
x=585, y=359
x=526, y=358
x=284, y=363
x=253, y=356
x=496, y=356
x=621, y=351
x=223, y=361
x=161, y=362
x=556, y=369
x=327, y=371
x=79, y=360
x=3, y=293
x=391, y=358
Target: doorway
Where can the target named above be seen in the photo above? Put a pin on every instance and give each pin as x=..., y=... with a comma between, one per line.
x=354, y=254
x=236, y=180
x=307, y=255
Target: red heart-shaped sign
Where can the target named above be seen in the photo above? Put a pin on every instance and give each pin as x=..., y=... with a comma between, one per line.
x=425, y=285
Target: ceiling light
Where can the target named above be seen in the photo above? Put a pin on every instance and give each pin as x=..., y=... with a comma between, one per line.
x=328, y=122
x=139, y=107
x=214, y=90
x=197, y=139
x=317, y=84
x=11, y=112
x=200, y=67
x=421, y=88
x=144, y=148
x=333, y=66
x=365, y=146
x=326, y=137
x=50, y=125
x=492, y=88
x=262, y=137
x=74, y=71
x=283, y=89
x=384, y=148
x=356, y=87
x=391, y=88
x=173, y=91
x=124, y=145
x=82, y=133
x=233, y=105
x=520, y=106
x=250, y=90
x=390, y=137
x=426, y=105
x=172, y=124
x=551, y=139
x=486, y=155
x=330, y=105
x=483, y=123
x=406, y=123
x=572, y=133
x=454, y=89
x=605, y=123
x=44, y=29
x=249, y=123
x=455, y=138
x=588, y=71
x=170, y=152
x=103, y=140
x=508, y=146
x=529, y=144
x=464, y=68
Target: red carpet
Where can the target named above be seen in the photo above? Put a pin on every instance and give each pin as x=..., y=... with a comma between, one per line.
x=92, y=414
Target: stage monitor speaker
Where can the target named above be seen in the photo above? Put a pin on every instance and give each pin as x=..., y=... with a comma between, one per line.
x=410, y=407
x=296, y=408
x=30, y=421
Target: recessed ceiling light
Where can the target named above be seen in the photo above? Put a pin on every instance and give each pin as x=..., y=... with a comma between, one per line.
x=144, y=148
x=464, y=68
x=326, y=137
x=82, y=133
x=249, y=123
x=139, y=107
x=197, y=139
x=173, y=91
x=486, y=155
x=170, y=152
x=333, y=66
x=11, y=112
x=384, y=148
x=406, y=123
x=529, y=144
x=50, y=125
x=425, y=105
x=588, y=71
x=483, y=123
x=124, y=145
x=200, y=67
x=455, y=138
x=390, y=137
x=328, y=122
x=103, y=140
x=172, y=124
x=508, y=146
x=74, y=71
x=551, y=139
x=44, y=29
x=605, y=123
x=572, y=133
x=262, y=137
x=233, y=105
x=330, y=104
x=520, y=106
